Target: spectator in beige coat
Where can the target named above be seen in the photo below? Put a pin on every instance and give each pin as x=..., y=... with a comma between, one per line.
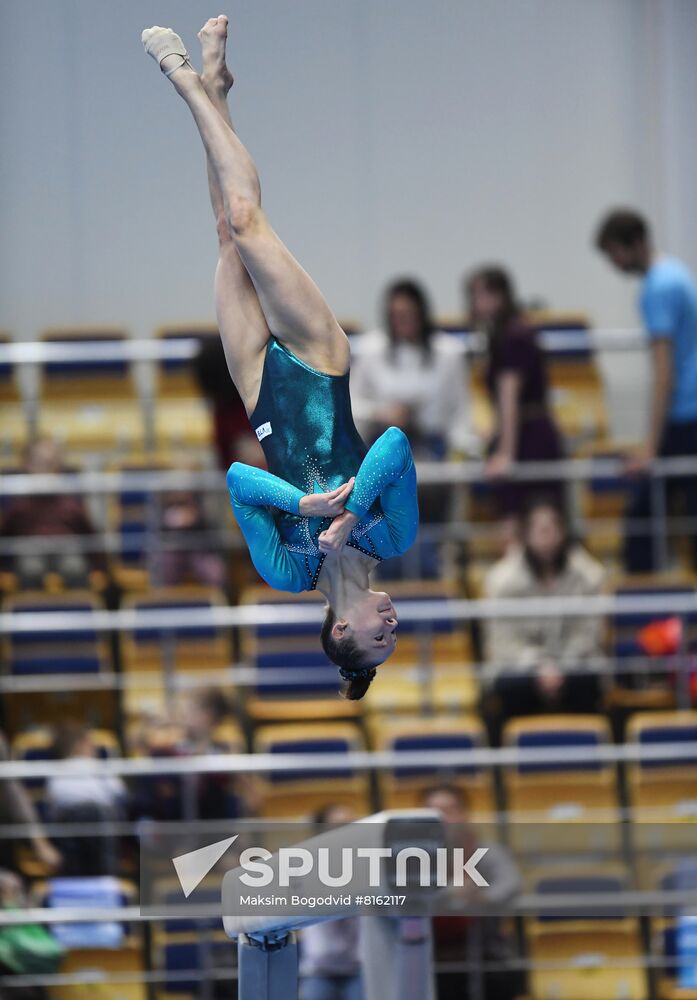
x=547, y=663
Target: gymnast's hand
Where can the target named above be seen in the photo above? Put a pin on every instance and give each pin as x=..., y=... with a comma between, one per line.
x=334, y=538
x=326, y=504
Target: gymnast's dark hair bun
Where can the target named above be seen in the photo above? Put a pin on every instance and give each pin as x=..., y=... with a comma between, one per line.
x=348, y=657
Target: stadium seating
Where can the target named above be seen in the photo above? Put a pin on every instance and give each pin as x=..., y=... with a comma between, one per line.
x=14, y=429
x=193, y=945
x=430, y=669
x=126, y=963
x=181, y=416
x=646, y=689
x=663, y=793
x=43, y=652
x=603, y=500
x=576, y=386
x=423, y=698
x=163, y=652
x=587, y=956
x=555, y=798
x=132, y=514
x=90, y=405
x=295, y=794
x=403, y=787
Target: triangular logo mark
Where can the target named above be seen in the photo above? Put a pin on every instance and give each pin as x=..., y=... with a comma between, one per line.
x=191, y=868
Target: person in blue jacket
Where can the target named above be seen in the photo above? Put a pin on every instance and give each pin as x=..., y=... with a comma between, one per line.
x=328, y=510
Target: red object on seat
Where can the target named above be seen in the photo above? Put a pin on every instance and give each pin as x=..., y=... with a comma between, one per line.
x=661, y=638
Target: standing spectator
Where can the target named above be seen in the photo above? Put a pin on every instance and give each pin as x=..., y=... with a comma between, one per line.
x=460, y=938
x=668, y=305
x=541, y=664
x=516, y=378
x=44, y=516
x=329, y=959
x=412, y=376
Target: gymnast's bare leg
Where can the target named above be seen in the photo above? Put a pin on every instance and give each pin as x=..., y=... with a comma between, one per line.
x=241, y=321
x=292, y=305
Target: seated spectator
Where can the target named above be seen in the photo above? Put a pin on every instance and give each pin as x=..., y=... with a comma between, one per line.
x=329, y=952
x=45, y=516
x=215, y=795
x=88, y=797
x=516, y=378
x=17, y=808
x=183, y=556
x=466, y=938
x=541, y=664
x=412, y=376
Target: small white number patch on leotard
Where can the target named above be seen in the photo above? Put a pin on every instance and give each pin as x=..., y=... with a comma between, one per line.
x=263, y=431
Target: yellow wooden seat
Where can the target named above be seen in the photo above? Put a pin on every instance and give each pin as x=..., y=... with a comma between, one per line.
x=663, y=794
x=603, y=499
x=52, y=653
x=302, y=794
x=90, y=405
x=182, y=416
x=14, y=426
x=602, y=963
x=131, y=514
x=154, y=651
x=588, y=954
x=431, y=668
x=403, y=788
x=579, y=799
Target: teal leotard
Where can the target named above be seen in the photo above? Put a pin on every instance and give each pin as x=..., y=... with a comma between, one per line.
x=304, y=422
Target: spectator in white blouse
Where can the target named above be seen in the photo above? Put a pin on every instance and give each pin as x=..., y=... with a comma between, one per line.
x=413, y=376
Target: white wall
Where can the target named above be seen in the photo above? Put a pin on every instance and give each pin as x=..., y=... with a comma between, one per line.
x=391, y=135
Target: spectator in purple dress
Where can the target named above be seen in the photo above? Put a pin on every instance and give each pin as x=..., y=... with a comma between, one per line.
x=516, y=379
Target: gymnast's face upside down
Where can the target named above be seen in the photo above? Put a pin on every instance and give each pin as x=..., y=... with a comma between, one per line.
x=361, y=639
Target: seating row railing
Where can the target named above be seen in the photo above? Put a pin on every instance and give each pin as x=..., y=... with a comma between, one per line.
x=684, y=751
x=128, y=349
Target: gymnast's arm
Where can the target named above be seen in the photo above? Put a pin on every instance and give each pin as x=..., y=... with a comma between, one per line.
x=252, y=492
x=388, y=472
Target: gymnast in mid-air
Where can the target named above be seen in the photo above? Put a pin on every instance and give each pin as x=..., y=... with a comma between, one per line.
x=328, y=510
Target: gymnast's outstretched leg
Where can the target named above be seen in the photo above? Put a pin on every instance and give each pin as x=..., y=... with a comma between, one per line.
x=241, y=321
x=294, y=308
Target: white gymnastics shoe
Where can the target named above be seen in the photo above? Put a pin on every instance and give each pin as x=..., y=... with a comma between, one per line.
x=162, y=42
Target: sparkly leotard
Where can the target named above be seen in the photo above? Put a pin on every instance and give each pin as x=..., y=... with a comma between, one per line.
x=304, y=422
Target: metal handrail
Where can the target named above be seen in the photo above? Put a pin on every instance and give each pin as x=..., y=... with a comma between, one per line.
x=356, y=760
x=448, y=473
x=183, y=348
x=218, y=617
